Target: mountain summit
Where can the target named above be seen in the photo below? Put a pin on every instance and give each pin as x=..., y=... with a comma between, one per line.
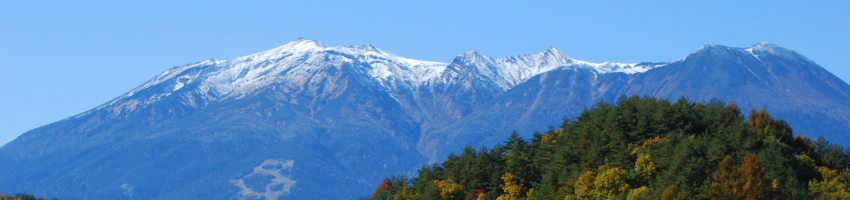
x=307, y=121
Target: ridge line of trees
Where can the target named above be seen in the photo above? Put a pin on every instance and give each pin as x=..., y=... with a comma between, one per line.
x=642, y=148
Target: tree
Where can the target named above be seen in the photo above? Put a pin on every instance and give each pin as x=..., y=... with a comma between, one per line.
x=512, y=189
x=610, y=183
x=644, y=165
x=747, y=182
x=383, y=189
x=672, y=193
x=450, y=190
x=725, y=182
x=755, y=183
x=638, y=193
x=584, y=186
x=833, y=186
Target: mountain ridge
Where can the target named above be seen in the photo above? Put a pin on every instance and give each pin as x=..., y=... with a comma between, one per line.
x=430, y=74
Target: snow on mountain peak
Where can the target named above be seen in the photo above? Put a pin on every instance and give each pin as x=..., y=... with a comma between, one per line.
x=560, y=59
x=765, y=45
x=770, y=48
x=470, y=56
x=296, y=62
x=390, y=69
x=555, y=51
x=711, y=47
x=510, y=71
x=292, y=64
x=761, y=49
x=303, y=45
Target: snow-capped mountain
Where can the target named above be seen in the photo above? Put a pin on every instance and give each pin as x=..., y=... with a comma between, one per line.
x=290, y=66
x=293, y=64
x=507, y=72
x=307, y=121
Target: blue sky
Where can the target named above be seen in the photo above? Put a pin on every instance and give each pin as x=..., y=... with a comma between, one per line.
x=61, y=58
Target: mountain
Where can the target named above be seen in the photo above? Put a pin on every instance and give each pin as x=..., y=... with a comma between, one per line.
x=306, y=121
x=762, y=76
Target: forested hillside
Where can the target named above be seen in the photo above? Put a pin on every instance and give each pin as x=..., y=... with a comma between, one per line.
x=642, y=148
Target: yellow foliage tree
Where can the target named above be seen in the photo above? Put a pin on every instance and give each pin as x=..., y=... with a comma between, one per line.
x=831, y=187
x=644, y=164
x=449, y=189
x=511, y=187
x=583, y=186
x=638, y=193
x=406, y=193
x=608, y=184
x=481, y=196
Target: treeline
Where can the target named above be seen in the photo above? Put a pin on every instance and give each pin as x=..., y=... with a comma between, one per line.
x=642, y=148
x=21, y=196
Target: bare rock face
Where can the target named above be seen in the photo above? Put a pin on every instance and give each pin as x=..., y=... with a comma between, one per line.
x=306, y=121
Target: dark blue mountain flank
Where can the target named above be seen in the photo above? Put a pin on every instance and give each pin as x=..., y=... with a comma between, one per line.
x=306, y=121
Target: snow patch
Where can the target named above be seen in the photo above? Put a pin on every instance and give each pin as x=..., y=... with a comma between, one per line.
x=618, y=67
x=278, y=185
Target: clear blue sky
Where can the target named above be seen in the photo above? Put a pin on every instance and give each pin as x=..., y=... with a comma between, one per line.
x=61, y=58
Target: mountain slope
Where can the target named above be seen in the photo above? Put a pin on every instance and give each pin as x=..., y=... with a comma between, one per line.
x=208, y=132
x=762, y=76
x=306, y=121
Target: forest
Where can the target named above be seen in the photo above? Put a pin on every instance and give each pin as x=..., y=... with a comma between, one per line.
x=641, y=148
